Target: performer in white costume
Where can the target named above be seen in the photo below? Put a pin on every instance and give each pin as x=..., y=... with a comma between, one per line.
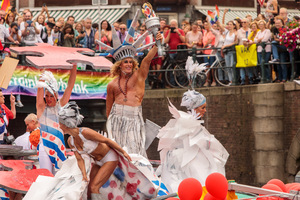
x=52, y=150
x=186, y=148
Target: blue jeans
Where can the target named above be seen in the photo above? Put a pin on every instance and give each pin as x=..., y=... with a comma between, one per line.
x=229, y=60
x=282, y=68
x=266, y=59
x=243, y=71
x=210, y=60
x=222, y=76
x=274, y=46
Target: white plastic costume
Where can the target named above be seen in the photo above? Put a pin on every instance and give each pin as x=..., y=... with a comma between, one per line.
x=187, y=149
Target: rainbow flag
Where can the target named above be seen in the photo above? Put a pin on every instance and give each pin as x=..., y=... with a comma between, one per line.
x=211, y=17
x=217, y=13
x=214, y=16
x=5, y=4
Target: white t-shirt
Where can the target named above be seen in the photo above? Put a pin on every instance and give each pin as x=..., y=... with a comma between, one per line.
x=31, y=37
x=4, y=32
x=23, y=141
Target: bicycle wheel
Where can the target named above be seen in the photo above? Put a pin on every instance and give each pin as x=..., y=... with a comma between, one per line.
x=180, y=76
x=169, y=76
x=222, y=71
x=200, y=79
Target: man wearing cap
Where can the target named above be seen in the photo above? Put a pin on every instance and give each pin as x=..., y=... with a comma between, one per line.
x=188, y=150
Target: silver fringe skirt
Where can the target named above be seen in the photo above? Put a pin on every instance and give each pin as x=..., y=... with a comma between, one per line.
x=126, y=126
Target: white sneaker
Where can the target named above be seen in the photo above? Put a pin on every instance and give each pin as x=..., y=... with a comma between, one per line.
x=19, y=104
x=274, y=61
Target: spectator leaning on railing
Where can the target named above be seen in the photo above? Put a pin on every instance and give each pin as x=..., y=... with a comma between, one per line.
x=230, y=40
x=264, y=35
x=208, y=42
x=279, y=51
x=242, y=35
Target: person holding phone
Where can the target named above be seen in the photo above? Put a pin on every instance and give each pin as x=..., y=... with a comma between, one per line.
x=29, y=30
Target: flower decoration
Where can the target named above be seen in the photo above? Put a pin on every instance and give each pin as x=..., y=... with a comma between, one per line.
x=290, y=36
x=34, y=137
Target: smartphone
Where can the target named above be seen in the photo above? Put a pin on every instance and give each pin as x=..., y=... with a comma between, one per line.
x=44, y=4
x=29, y=22
x=172, y=29
x=13, y=9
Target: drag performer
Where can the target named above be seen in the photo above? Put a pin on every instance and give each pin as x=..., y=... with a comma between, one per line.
x=186, y=148
x=52, y=151
x=125, y=93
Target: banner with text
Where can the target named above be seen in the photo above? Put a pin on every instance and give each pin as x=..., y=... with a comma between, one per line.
x=88, y=85
x=246, y=56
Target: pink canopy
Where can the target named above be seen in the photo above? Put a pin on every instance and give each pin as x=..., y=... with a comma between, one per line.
x=47, y=56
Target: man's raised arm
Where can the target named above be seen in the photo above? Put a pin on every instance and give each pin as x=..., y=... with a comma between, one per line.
x=144, y=68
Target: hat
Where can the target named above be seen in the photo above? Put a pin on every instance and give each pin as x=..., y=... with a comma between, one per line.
x=128, y=48
x=48, y=81
x=192, y=99
x=69, y=115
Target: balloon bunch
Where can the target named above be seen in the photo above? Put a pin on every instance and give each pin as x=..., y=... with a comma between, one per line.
x=276, y=185
x=191, y=189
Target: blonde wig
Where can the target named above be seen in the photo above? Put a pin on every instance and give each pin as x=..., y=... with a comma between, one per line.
x=116, y=70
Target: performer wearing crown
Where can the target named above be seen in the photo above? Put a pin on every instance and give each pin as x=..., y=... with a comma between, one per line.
x=125, y=93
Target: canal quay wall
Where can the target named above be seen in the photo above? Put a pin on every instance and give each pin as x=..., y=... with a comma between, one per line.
x=257, y=124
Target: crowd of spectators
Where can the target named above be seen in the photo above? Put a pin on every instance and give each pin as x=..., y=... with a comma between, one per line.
x=17, y=28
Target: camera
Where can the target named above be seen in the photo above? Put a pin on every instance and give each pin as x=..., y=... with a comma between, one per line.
x=82, y=32
x=50, y=25
x=13, y=9
x=16, y=29
x=172, y=29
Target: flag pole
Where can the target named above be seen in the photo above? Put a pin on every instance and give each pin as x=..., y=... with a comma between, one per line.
x=99, y=29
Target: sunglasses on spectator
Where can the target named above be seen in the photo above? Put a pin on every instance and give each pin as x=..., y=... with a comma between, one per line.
x=58, y=26
x=122, y=28
x=128, y=61
x=142, y=29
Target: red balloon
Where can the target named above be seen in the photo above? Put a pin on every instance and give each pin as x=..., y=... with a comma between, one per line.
x=295, y=187
x=279, y=183
x=190, y=189
x=172, y=198
x=217, y=185
x=271, y=187
x=210, y=197
x=289, y=185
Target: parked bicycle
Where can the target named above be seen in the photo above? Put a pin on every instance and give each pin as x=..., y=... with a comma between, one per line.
x=182, y=76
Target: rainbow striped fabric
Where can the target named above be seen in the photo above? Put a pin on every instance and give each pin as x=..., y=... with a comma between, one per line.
x=5, y=4
x=88, y=85
x=213, y=16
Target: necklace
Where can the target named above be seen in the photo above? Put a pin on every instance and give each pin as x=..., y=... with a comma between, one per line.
x=124, y=92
